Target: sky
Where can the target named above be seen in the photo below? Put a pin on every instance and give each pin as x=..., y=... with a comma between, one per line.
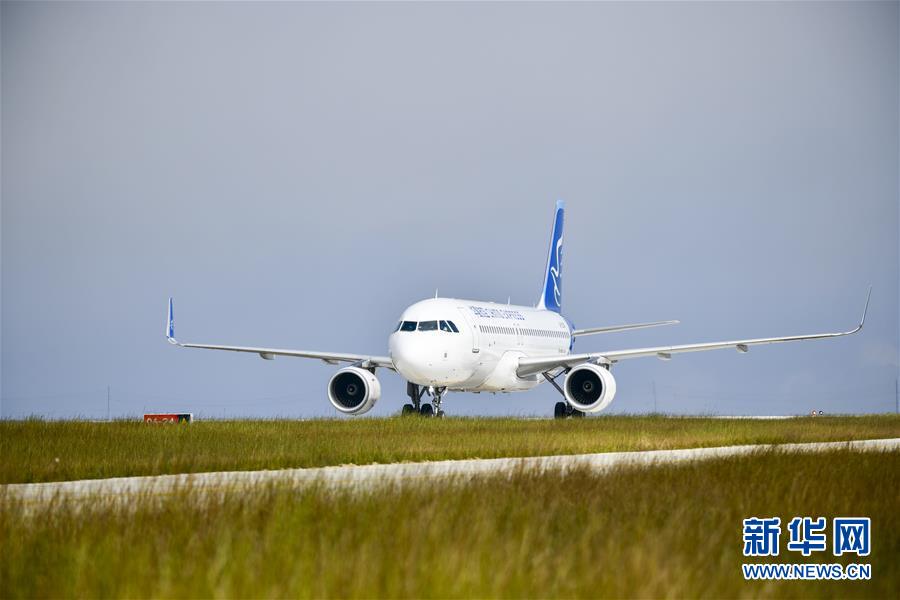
x=295, y=174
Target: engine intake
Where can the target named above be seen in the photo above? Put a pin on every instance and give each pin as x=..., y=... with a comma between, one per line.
x=589, y=387
x=354, y=391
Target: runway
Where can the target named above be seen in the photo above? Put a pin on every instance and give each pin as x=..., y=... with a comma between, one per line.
x=366, y=477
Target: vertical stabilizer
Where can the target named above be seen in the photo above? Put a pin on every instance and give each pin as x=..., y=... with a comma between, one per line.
x=170, y=324
x=551, y=295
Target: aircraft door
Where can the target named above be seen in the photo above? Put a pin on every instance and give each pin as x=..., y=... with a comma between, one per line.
x=470, y=321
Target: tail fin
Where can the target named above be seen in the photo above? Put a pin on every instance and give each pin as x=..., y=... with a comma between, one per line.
x=170, y=324
x=551, y=294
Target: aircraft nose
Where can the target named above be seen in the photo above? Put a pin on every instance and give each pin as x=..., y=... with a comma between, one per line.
x=436, y=359
x=409, y=357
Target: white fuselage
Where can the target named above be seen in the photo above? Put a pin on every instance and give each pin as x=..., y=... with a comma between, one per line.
x=474, y=346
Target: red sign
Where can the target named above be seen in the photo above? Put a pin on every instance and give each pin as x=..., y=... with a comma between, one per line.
x=168, y=418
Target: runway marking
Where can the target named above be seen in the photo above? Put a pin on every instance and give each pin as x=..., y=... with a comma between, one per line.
x=364, y=477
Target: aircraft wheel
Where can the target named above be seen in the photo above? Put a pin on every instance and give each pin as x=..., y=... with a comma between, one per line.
x=577, y=414
x=440, y=414
x=408, y=409
x=427, y=410
x=559, y=411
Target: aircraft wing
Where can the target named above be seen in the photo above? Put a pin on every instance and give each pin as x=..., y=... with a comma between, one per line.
x=532, y=365
x=363, y=360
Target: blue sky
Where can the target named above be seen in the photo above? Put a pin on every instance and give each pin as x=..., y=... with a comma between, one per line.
x=295, y=174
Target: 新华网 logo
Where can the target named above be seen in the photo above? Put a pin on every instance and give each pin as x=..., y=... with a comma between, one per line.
x=808, y=535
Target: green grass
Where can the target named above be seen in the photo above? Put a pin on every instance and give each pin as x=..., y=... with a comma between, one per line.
x=36, y=450
x=672, y=531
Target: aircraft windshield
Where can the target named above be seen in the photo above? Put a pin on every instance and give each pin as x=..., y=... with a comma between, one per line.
x=448, y=326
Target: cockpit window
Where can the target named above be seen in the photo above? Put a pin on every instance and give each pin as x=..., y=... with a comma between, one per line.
x=448, y=326
x=397, y=328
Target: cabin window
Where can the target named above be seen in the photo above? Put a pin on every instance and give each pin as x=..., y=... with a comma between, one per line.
x=428, y=325
x=408, y=326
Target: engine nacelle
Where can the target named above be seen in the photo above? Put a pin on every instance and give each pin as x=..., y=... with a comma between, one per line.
x=589, y=387
x=354, y=391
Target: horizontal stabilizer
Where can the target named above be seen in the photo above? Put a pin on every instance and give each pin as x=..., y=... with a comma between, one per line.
x=615, y=328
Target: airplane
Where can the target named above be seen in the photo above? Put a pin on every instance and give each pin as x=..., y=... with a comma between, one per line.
x=442, y=345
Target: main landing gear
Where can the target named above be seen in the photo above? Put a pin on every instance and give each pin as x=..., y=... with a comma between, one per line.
x=415, y=393
x=562, y=410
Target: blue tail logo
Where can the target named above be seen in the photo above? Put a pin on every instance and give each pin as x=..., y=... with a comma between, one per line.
x=551, y=298
x=170, y=323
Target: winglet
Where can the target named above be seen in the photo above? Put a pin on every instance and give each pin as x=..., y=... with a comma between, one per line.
x=170, y=325
x=865, y=310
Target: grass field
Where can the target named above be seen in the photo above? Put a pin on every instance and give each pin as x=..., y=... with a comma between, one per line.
x=672, y=531
x=37, y=450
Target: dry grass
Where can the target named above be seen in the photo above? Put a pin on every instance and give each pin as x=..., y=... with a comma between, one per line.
x=672, y=531
x=36, y=450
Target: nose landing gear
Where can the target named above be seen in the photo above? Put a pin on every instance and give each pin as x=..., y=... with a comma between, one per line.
x=415, y=393
x=436, y=395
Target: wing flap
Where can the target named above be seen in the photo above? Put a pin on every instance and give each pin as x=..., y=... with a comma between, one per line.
x=329, y=357
x=742, y=346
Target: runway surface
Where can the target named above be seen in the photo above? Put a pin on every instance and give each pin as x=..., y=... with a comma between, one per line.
x=364, y=477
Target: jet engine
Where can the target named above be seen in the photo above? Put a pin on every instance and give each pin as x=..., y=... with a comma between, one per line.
x=589, y=387
x=354, y=391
